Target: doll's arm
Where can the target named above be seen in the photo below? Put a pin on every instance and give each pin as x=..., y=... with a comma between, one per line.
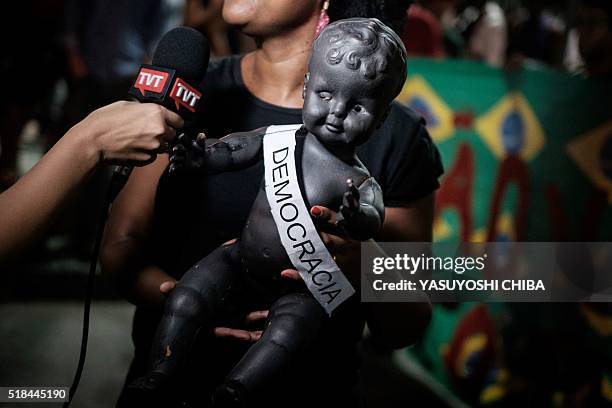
x=362, y=212
x=232, y=152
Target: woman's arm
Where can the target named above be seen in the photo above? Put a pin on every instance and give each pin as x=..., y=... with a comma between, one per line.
x=397, y=325
x=123, y=132
x=393, y=325
x=124, y=256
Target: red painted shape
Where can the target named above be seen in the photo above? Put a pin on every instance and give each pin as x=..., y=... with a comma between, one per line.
x=595, y=207
x=511, y=169
x=457, y=189
x=469, y=374
x=464, y=119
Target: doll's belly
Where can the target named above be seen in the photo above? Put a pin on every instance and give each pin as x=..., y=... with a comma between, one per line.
x=260, y=246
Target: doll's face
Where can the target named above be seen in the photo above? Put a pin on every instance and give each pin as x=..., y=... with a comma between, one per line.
x=341, y=105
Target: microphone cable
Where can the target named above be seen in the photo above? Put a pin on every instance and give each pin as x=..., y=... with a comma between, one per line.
x=182, y=51
x=117, y=182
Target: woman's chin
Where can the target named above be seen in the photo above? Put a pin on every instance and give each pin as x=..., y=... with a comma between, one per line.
x=238, y=12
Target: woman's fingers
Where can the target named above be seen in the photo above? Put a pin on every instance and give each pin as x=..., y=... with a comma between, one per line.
x=290, y=274
x=323, y=214
x=129, y=132
x=167, y=287
x=168, y=135
x=256, y=316
x=245, y=335
x=172, y=118
x=334, y=243
x=325, y=220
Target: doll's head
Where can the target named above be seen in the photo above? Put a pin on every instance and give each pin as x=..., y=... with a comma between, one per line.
x=357, y=67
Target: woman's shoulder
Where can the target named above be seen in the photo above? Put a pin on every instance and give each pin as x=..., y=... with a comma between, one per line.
x=223, y=73
x=400, y=129
x=404, y=133
x=401, y=117
x=402, y=157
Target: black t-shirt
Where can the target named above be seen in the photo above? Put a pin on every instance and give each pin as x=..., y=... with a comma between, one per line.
x=195, y=214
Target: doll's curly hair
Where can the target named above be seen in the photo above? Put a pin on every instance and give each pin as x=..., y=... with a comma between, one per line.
x=364, y=44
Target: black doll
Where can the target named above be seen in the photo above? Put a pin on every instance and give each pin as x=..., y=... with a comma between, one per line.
x=357, y=67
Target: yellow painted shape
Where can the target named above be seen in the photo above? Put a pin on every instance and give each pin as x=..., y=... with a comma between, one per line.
x=585, y=150
x=492, y=393
x=505, y=225
x=472, y=344
x=489, y=127
x=417, y=87
x=441, y=229
x=601, y=323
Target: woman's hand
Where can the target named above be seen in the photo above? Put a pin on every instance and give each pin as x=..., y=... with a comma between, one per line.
x=247, y=335
x=344, y=250
x=129, y=133
x=253, y=318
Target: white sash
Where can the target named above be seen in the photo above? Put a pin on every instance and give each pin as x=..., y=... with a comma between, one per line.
x=297, y=232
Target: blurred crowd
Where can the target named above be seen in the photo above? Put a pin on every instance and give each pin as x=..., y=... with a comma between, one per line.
x=90, y=50
x=74, y=56
x=567, y=35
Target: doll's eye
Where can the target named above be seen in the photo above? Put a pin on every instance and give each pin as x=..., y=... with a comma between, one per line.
x=358, y=108
x=325, y=95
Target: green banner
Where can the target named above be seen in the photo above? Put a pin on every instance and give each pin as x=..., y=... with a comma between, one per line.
x=527, y=157
x=528, y=154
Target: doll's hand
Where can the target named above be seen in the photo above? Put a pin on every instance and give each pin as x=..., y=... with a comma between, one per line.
x=350, y=201
x=245, y=335
x=187, y=154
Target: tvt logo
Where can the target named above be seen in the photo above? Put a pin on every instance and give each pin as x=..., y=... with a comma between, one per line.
x=185, y=95
x=150, y=80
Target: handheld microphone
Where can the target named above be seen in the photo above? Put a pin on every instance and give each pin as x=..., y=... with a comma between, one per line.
x=173, y=80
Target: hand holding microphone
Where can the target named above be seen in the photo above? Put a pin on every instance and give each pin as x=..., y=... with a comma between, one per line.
x=172, y=80
x=130, y=133
x=123, y=132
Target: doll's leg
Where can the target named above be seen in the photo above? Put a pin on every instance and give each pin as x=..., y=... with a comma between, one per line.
x=191, y=306
x=293, y=323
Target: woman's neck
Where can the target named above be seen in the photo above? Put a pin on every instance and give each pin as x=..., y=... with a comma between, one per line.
x=275, y=71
